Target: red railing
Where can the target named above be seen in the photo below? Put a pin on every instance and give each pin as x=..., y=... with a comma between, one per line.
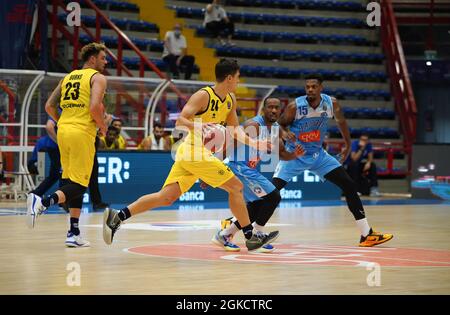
x=11, y=107
x=122, y=40
x=10, y=137
x=429, y=7
x=74, y=40
x=398, y=72
x=423, y=13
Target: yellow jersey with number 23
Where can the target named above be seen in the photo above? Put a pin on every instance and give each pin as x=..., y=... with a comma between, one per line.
x=75, y=102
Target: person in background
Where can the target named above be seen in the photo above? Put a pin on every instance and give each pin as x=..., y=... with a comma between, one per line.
x=175, y=53
x=47, y=144
x=118, y=123
x=361, y=164
x=2, y=170
x=111, y=140
x=94, y=190
x=216, y=22
x=156, y=141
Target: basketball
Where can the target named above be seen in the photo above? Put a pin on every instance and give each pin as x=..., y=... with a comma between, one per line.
x=214, y=137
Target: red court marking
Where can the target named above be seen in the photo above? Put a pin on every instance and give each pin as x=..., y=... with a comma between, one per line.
x=324, y=255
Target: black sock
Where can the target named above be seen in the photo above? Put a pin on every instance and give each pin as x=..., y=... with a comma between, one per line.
x=74, y=226
x=238, y=225
x=50, y=200
x=124, y=214
x=248, y=231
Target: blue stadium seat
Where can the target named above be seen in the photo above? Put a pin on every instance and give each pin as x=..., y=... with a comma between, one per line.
x=349, y=112
x=333, y=130
x=172, y=105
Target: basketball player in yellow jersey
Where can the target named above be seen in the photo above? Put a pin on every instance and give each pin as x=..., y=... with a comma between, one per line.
x=213, y=105
x=80, y=95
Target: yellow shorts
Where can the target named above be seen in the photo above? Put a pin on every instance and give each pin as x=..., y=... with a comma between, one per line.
x=207, y=167
x=77, y=150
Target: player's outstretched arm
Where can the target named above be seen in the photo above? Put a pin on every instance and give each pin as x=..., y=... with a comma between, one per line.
x=286, y=155
x=285, y=120
x=52, y=103
x=96, y=106
x=251, y=128
x=50, y=128
x=239, y=133
x=343, y=128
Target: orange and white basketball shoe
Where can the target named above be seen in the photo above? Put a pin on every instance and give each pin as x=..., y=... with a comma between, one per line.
x=374, y=238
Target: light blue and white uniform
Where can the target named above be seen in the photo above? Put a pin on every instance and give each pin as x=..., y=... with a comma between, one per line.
x=309, y=126
x=243, y=162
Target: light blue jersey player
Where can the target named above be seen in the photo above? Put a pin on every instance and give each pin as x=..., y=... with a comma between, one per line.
x=309, y=127
x=305, y=122
x=260, y=194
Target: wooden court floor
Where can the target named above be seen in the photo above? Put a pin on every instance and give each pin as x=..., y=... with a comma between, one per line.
x=169, y=252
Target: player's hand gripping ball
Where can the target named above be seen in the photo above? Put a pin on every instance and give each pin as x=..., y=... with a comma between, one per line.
x=215, y=137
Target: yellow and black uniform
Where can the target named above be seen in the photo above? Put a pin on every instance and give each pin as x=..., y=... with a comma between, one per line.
x=193, y=160
x=122, y=142
x=114, y=146
x=76, y=127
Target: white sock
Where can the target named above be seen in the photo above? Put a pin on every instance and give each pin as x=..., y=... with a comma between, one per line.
x=232, y=229
x=363, y=226
x=258, y=227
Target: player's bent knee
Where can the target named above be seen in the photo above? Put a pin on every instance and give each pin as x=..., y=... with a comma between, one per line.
x=167, y=199
x=76, y=203
x=169, y=194
x=72, y=190
x=234, y=185
x=276, y=196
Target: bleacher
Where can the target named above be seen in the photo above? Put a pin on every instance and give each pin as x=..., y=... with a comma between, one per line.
x=281, y=42
x=304, y=37
x=125, y=15
x=302, y=32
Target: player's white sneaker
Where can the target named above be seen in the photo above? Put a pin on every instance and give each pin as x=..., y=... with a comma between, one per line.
x=34, y=208
x=73, y=240
x=374, y=192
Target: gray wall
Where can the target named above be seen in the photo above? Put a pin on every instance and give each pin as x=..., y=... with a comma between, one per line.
x=433, y=106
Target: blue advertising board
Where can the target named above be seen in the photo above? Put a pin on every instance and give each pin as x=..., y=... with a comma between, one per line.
x=124, y=176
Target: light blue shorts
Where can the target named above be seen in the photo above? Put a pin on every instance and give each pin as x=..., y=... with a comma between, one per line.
x=320, y=163
x=256, y=185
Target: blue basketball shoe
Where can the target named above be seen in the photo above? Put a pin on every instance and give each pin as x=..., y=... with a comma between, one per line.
x=224, y=241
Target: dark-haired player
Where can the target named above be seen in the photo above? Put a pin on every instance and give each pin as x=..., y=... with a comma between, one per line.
x=207, y=106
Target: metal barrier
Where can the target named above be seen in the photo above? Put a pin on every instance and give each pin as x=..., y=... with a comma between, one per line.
x=259, y=93
x=32, y=89
x=398, y=73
